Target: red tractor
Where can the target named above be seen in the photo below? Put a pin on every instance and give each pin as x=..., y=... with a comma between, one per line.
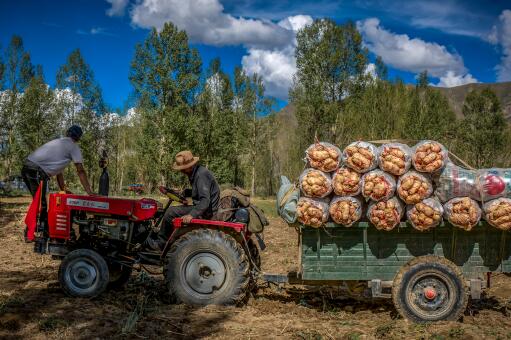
x=99, y=241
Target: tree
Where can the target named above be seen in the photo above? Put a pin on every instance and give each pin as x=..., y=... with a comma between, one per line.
x=18, y=72
x=381, y=68
x=330, y=62
x=165, y=73
x=38, y=120
x=83, y=106
x=483, y=128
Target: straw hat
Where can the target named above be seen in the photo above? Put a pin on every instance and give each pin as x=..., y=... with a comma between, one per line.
x=184, y=160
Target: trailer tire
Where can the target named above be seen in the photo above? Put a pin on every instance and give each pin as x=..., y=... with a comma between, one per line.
x=83, y=273
x=430, y=288
x=206, y=266
x=119, y=275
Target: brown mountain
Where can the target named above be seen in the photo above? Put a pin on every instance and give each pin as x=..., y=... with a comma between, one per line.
x=456, y=95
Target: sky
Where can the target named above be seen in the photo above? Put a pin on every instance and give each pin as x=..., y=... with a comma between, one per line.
x=458, y=42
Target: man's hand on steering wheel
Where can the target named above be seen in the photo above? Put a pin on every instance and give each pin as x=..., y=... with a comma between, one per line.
x=187, y=219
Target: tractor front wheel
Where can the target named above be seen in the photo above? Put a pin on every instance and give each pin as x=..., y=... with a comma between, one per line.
x=83, y=273
x=207, y=266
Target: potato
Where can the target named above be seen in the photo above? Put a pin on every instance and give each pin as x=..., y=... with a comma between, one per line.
x=498, y=213
x=414, y=187
x=395, y=158
x=426, y=214
x=462, y=212
x=323, y=156
x=429, y=156
x=315, y=183
x=345, y=210
x=360, y=156
x=377, y=185
x=311, y=212
x=346, y=182
x=385, y=215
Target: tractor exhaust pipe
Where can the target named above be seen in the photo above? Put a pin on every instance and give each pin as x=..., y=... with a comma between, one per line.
x=104, y=179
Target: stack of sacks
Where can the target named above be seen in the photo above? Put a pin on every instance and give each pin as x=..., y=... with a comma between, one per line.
x=421, y=178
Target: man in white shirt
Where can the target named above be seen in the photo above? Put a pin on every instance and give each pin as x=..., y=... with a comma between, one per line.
x=52, y=158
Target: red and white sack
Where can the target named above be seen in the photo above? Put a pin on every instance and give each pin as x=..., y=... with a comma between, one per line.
x=414, y=187
x=385, y=215
x=315, y=183
x=429, y=156
x=493, y=183
x=454, y=181
x=360, y=156
x=426, y=214
x=345, y=210
x=395, y=158
x=378, y=185
x=323, y=156
x=312, y=212
x=498, y=213
x=346, y=182
x=462, y=212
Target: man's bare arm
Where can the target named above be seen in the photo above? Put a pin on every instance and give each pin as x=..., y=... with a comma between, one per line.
x=60, y=182
x=83, y=178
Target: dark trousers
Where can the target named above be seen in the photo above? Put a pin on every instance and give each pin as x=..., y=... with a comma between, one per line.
x=32, y=175
x=166, y=225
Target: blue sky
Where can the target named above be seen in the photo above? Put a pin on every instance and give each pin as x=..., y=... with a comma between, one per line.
x=457, y=41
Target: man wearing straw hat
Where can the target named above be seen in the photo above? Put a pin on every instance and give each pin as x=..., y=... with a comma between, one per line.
x=205, y=195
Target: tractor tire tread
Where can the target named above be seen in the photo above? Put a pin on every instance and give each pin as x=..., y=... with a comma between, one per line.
x=243, y=271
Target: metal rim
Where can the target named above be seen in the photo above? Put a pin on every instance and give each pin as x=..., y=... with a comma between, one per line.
x=82, y=275
x=204, y=273
x=431, y=294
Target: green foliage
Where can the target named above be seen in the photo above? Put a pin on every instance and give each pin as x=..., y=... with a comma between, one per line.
x=330, y=62
x=484, y=130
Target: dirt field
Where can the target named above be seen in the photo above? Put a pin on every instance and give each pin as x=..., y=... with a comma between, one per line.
x=32, y=305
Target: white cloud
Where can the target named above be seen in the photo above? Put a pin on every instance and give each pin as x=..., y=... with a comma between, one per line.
x=205, y=22
x=451, y=79
x=501, y=34
x=117, y=9
x=409, y=54
x=414, y=54
x=278, y=66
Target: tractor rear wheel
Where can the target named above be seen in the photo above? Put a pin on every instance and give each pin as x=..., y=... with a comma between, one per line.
x=206, y=267
x=430, y=288
x=83, y=273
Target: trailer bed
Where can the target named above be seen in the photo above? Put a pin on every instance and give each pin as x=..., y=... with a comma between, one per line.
x=361, y=252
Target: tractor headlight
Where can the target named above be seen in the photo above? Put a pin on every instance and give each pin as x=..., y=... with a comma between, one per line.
x=242, y=215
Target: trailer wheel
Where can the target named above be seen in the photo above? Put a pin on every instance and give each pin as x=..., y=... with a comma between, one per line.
x=83, y=273
x=119, y=275
x=430, y=288
x=205, y=267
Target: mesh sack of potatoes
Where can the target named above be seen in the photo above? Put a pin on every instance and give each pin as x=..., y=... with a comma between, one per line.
x=346, y=182
x=385, y=215
x=395, y=158
x=426, y=214
x=345, y=210
x=312, y=212
x=361, y=156
x=323, y=156
x=454, y=181
x=413, y=187
x=498, y=213
x=378, y=185
x=493, y=183
x=315, y=183
x=462, y=212
x=429, y=156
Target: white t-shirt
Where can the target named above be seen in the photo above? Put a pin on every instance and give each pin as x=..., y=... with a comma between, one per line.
x=54, y=156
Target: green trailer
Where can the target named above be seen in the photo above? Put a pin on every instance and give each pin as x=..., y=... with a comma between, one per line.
x=429, y=275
